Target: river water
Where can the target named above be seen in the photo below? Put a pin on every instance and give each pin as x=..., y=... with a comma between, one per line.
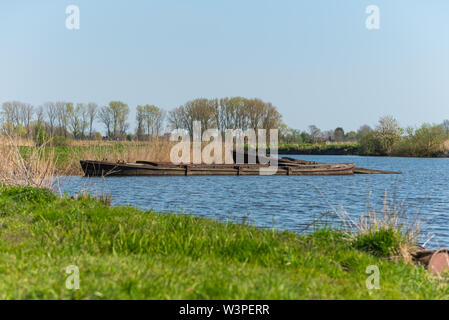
x=292, y=202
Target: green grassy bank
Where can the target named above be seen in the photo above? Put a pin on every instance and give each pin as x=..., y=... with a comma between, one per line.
x=122, y=252
x=350, y=148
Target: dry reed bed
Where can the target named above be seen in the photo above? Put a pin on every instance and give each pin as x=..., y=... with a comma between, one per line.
x=157, y=150
x=30, y=169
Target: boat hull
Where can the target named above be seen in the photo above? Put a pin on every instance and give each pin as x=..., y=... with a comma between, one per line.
x=103, y=168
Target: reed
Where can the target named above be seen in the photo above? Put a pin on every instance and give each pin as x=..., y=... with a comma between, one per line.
x=36, y=167
x=157, y=150
x=389, y=231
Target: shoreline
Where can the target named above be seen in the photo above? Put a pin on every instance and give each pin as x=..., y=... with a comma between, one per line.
x=342, y=153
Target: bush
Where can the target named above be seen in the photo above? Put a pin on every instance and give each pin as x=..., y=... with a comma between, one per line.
x=97, y=136
x=426, y=141
x=382, y=243
x=60, y=141
x=28, y=194
x=369, y=144
x=40, y=137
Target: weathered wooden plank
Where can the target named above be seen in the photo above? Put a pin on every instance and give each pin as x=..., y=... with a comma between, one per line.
x=146, y=168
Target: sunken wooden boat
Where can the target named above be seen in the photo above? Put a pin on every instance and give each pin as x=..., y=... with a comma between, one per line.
x=286, y=167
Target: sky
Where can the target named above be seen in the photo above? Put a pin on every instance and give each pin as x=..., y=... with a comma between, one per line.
x=315, y=60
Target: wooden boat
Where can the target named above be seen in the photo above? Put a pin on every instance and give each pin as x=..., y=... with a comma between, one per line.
x=286, y=166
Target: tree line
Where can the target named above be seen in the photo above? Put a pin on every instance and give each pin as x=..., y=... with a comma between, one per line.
x=225, y=113
x=78, y=120
x=386, y=138
x=389, y=139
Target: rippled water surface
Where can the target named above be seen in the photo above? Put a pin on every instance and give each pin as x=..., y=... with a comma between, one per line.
x=291, y=202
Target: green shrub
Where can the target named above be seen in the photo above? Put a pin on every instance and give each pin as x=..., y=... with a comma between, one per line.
x=28, y=194
x=40, y=137
x=369, y=144
x=381, y=243
x=60, y=141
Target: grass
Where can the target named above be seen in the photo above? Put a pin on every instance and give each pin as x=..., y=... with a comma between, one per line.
x=123, y=252
x=333, y=148
x=382, y=243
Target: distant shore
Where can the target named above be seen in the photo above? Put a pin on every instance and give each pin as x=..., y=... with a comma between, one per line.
x=66, y=158
x=341, y=149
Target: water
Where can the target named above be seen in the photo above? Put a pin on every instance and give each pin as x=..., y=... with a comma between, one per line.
x=291, y=202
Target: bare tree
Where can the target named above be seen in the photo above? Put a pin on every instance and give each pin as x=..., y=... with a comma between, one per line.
x=119, y=113
x=8, y=117
x=445, y=126
x=149, y=120
x=105, y=117
x=314, y=132
x=363, y=130
x=226, y=113
x=78, y=119
x=62, y=117
x=40, y=115
x=388, y=132
x=339, y=134
x=92, y=110
x=51, y=111
x=140, y=119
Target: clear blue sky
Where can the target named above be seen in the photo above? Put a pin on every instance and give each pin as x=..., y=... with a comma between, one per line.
x=313, y=59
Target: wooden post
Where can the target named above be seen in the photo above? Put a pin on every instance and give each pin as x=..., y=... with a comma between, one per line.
x=238, y=170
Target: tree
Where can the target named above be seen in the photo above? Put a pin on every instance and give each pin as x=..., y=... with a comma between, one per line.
x=78, y=119
x=105, y=117
x=388, y=132
x=40, y=113
x=140, y=119
x=62, y=118
x=153, y=118
x=72, y=119
x=381, y=140
x=52, y=115
x=339, y=134
x=363, y=130
x=225, y=113
x=351, y=136
x=17, y=116
x=149, y=120
x=114, y=117
x=314, y=133
x=445, y=126
x=428, y=140
x=120, y=113
x=26, y=114
x=369, y=144
x=92, y=110
x=8, y=117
